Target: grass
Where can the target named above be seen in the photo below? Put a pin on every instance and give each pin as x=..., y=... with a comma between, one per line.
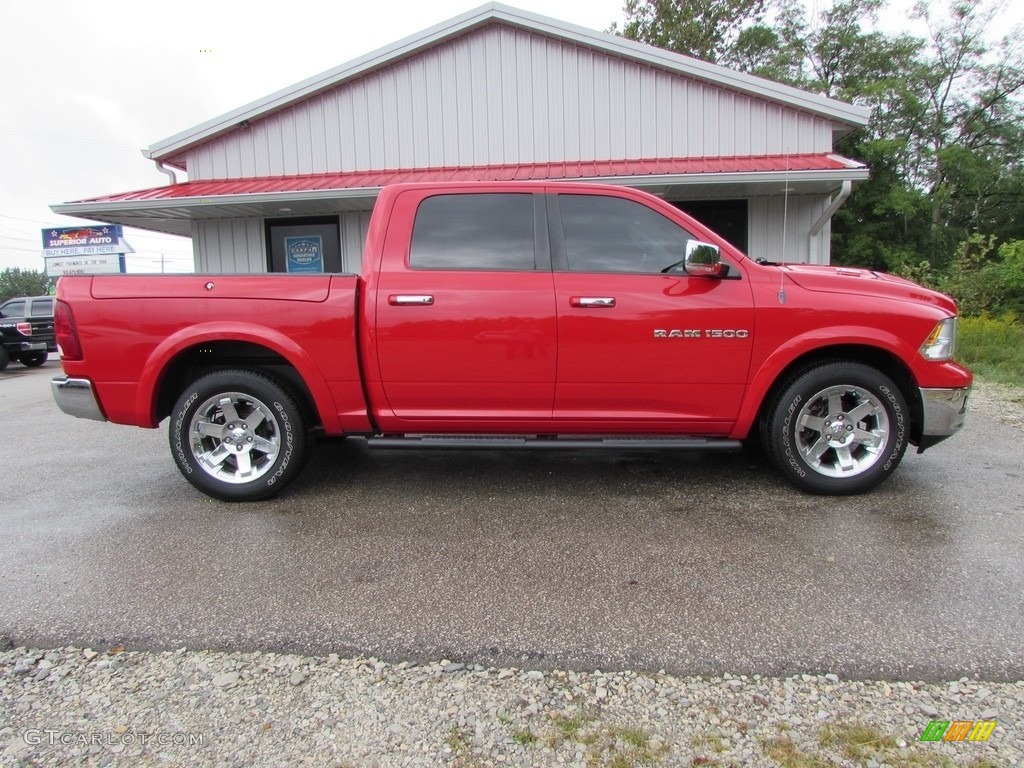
x=618, y=747
x=857, y=741
x=787, y=754
x=525, y=737
x=992, y=347
x=859, y=744
x=461, y=744
x=708, y=741
x=606, y=746
x=571, y=729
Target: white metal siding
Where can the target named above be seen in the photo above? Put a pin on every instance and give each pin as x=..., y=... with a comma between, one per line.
x=766, y=238
x=229, y=245
x=503, y=96
x=353, y=239
x=239, y=245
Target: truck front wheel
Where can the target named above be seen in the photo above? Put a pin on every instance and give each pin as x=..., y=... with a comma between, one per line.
x=838, y=428
x=237, y=435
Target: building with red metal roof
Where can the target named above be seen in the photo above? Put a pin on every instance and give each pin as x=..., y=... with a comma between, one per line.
x=499, y=94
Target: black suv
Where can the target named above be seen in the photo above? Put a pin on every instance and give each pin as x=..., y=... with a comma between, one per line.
x=26, y=330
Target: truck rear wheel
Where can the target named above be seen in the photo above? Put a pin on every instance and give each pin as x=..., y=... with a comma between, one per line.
x=237, y=435
x=5, y=358
x=839, y=428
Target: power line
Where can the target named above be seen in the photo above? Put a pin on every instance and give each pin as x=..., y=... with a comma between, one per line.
x=96, y=143
x=27, y=250
x=18, y=218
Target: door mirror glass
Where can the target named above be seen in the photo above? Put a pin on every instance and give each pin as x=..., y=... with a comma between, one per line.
x=703, y=259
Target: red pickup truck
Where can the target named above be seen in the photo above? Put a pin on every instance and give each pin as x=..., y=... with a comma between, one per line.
x=520, y=315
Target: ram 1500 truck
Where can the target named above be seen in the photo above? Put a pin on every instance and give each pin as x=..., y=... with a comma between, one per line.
x=520, y=315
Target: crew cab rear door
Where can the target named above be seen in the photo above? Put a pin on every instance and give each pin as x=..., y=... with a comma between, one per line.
x=643, y=347
x=465, y=312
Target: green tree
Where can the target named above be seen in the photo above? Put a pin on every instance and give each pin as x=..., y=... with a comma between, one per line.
x=945, y=140
x=704, y=29
x=15, y=281
x=968, y=146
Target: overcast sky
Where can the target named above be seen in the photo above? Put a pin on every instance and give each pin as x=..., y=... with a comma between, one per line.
x=87, y=85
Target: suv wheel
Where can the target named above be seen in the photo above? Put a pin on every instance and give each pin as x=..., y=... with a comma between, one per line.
x=34, y=359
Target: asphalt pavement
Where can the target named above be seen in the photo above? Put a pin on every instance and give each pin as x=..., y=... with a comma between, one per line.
x=692, y=563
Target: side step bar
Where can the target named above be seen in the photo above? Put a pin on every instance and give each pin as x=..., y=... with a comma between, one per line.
x=513, y=442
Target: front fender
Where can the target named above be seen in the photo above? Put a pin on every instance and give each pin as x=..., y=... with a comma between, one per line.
x=816, y=343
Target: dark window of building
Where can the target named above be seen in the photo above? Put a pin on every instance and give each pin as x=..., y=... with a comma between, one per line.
x=304, y=245
x=727, y=218
x=488, y=231
x=612, y=234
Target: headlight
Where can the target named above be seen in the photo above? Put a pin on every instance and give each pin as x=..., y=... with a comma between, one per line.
x=941, y=342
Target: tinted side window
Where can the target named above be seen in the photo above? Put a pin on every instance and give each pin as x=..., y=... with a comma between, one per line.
x=489, y=231
x=42, y=308
x=611, y=234
x=14, y=309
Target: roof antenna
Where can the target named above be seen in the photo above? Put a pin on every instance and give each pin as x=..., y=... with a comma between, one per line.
x=785, y=217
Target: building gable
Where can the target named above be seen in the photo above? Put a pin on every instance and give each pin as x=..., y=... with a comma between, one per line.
x=501, y=95
x=500, y=85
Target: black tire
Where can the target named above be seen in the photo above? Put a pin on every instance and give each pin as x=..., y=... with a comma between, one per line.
x=33, y=359
x=238, y=435
x=4, y=358
x=839, y=428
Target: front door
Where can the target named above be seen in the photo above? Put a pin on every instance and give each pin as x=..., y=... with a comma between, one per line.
x=642, y=346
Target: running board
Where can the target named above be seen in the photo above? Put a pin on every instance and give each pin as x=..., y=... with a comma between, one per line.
x=513, y=442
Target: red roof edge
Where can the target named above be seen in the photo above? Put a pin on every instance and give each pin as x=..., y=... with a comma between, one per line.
x=520, y=172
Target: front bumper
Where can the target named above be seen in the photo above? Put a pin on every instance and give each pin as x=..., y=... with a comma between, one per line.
x=943, y=414
x=76, y=398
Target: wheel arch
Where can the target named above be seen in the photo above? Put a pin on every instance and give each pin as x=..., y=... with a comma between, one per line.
x=178, y=361
x=878, y=358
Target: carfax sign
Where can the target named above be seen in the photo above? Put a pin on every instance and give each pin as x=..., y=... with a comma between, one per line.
x=304, y=254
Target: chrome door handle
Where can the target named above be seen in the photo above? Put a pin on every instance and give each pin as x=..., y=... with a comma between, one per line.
x=416, y=300
x=598, y=302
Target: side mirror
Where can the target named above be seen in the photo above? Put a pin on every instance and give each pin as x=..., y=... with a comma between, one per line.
x=703, y=259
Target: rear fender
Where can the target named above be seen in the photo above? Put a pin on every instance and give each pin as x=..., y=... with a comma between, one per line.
x=164, y=354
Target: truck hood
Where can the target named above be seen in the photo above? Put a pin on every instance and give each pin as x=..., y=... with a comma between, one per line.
x=865, y=282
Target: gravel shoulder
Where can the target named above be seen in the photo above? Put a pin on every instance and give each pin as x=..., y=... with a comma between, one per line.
x=1000, y=401
x=77, y=707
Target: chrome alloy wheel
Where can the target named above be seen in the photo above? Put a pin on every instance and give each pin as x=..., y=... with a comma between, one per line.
x=842, y=431
x=234, y=437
